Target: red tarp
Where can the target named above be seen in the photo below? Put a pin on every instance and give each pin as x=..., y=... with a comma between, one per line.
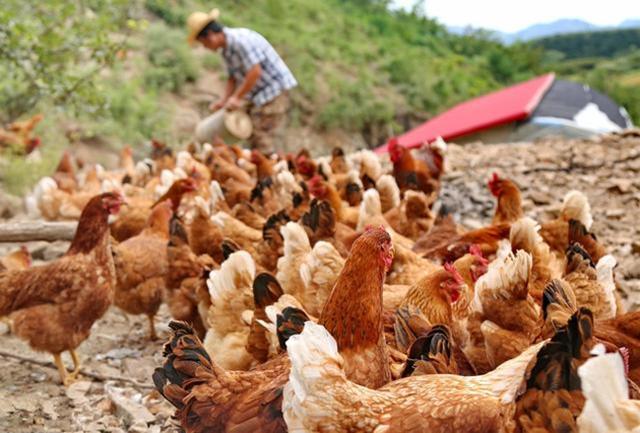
x=508, y=105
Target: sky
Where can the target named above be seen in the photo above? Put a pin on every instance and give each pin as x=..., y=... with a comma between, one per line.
x=513, y=15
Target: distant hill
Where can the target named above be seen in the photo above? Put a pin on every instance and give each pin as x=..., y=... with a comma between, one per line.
x=603, y=44
x=543, y=30
x=554, y=28
x=630, y=23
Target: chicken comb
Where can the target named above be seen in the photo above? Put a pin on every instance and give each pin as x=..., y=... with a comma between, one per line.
x=454, y=272
x=370, y=227
x=316, y=179
x=624, y=352
x=475, y=250
x=392, y=144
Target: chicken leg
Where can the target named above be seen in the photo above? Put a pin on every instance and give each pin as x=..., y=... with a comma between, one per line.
x=152, y=329
x=64, y=376
x=76, y=365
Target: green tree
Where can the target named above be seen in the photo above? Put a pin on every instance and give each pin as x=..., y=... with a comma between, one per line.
x=54, y=51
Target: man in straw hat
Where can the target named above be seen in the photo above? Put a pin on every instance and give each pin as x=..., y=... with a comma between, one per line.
x=256, y=73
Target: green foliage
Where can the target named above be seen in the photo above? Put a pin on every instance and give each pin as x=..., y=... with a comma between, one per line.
x=171, y=62
x=362, y=67
x=173, y=12
x=605, y=43
x=18, y=175
x=134, y=113
x=212, y=61
x=53, y=51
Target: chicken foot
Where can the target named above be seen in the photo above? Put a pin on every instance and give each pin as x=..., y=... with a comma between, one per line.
x=64, y=375
x=76, y=365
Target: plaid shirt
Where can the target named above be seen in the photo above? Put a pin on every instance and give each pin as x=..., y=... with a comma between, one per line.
x=246, y=48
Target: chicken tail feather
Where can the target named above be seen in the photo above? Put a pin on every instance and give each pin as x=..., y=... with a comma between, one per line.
x=555, y=366
x=430, y=354
x=558, y=303
x=290, y=323
x=185, y=359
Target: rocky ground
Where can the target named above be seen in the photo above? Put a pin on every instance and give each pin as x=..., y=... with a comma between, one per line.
x=115, y=393
x=606, y=169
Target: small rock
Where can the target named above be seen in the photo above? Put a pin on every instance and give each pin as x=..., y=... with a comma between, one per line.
x=614, y=213
x=620, y=185
x=54, y=250
x=139, y=427
x=119, y=353
x=26, y=403
x=635, y=247
x=138, y=368
x=107, y=370
x=49, y=409
x=631, y=269
x=38, y=249
x=105, y=405
x=10, y=205
x=4, y=328
x=158, y=406
x=128, y=406
x=78, y=390
x=540, y=198
x=38, y=377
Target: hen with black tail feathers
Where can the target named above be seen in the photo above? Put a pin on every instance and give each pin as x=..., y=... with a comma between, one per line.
x=553, y=398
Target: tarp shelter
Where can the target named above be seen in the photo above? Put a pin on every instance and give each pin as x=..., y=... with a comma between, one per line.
x=541, y=106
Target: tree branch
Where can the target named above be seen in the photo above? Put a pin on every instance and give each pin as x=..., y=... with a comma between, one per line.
x=84, y=372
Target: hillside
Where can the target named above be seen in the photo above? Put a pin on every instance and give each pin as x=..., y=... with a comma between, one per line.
x=602, y=43
x=365, y=73
x=564, y=26
x=557, y=27
x=364, y=68
x=608, y=60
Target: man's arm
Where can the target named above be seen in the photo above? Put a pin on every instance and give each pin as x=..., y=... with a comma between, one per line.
x=250, y=80
x=228, y=92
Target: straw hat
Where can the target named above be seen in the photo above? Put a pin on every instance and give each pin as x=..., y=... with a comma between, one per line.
x=231, y=126
x=238, y=123
x=197, y=21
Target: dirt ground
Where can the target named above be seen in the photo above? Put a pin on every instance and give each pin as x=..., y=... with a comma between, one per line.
x=120, y=399
x=116, y=394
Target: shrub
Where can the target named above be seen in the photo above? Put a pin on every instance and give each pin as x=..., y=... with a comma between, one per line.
x=171, y=62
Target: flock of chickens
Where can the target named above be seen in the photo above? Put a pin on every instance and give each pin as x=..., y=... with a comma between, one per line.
x=335, y=295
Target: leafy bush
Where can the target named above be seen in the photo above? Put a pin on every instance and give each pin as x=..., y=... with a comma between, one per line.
x=173, y=12
x=362, y=67
x=171, y=62
x=53, y=51
x=604, y=43
x=18, y=174
x=134, y=114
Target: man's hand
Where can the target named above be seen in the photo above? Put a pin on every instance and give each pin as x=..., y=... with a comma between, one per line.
x=233, y=103
x=215, y=106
